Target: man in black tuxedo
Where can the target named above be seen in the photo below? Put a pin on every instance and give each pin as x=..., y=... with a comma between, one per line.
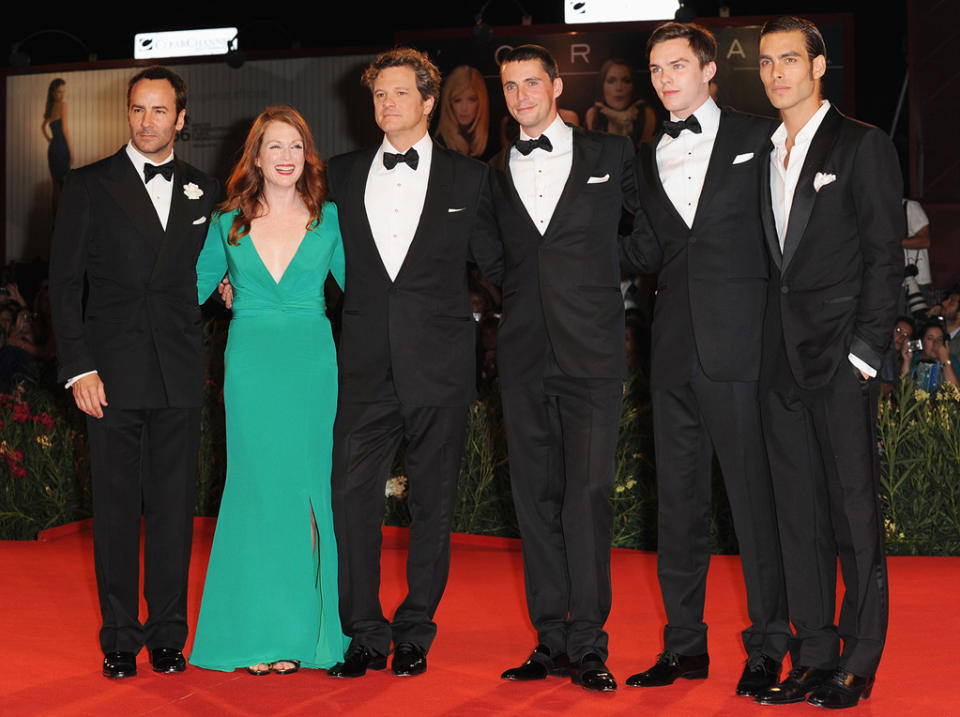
x=411, y=214
x=132, y=226
x=833, y=224
x=558, y=194
x=700, y=190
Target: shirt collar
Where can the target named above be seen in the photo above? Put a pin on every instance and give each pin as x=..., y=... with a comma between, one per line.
x=139, y=160
x=806, y=132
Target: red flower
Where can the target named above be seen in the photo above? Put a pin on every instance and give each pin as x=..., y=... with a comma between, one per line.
x=18, y=471
x=46, y=420
x=21, y=413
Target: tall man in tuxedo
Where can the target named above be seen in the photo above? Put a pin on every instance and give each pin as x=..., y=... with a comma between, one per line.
x=833, y=224
x=132, y=226
x=408, y=210
x=558, y=194
x=700, y=190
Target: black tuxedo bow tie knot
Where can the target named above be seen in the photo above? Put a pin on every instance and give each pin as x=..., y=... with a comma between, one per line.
x=675, y=128
x=411, y=158
x=152, y=170
x=526, y=146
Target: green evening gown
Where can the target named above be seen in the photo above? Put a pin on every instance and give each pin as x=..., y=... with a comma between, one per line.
x=271, y=586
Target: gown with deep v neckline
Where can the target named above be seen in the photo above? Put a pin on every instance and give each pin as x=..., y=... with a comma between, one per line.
x=271, y=586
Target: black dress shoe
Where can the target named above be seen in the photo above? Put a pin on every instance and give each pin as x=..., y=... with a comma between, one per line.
x=117, y=665
x=409, y=660
x=356, y=663
x=761, y=672
x=590, y=673
x=167, y=659
x=800, y=682
x=671, y=666
x=843, y=689
x=538, y=666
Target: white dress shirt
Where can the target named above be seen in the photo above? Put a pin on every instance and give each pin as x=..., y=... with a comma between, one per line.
x=160, y=191
x=783, y=184
x=541, y=176
x=682, y=160
x=394, y=201
x=783, y=180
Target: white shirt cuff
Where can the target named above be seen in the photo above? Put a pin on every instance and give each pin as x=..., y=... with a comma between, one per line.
x=866, y=368
x=76, y=378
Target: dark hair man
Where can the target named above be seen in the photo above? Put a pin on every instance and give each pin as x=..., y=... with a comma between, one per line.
x=133, y=225
x=833, y=224
x=411, y=214
x=700, y=190
x=558, y=194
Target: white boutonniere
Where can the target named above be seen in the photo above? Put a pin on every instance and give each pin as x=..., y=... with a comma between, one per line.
x=194, y=192
x=823, y=179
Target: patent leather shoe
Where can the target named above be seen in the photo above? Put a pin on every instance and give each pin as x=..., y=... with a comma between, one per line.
x=167, y=659
x=592, y=674
x=356, y=663
x=800, y=682
x=409, y=660
x=760, y=673
x=844, y=689
x=669, y=667
x=117, y=665
x=540, y=664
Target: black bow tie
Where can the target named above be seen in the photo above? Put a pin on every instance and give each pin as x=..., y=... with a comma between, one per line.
x=526, y=146
x=675, y=128
x=411, y=158
x=152, y=170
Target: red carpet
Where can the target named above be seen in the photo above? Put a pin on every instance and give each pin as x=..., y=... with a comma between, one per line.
x=51, y=661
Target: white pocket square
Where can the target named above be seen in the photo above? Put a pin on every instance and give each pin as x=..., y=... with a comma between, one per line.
x=598, y=180
x=201, y=220
x=823, y=179
x=451, y=210
x=741, y=158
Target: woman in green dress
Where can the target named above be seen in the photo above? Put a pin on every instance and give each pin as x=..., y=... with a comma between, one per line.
x=270, y=597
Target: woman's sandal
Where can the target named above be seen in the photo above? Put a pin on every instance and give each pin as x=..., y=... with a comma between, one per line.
x=260, y=669
x=285, y=670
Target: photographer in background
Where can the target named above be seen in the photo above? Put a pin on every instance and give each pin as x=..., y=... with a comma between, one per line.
x=916, y=275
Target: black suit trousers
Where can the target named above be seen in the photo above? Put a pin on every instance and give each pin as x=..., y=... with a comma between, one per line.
x=143, y=461
x=823, y=457
x=562, y=440
x=366, y=439
x=690, y=421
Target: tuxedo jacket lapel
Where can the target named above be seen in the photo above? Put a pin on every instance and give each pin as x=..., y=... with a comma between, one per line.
x=128, y=191
x=357, y=207
x=435, y=206
x=585, y=154
x=721, y=159
x=766, y=210
x=804, y=196
x=510, y=189
x=651, y=176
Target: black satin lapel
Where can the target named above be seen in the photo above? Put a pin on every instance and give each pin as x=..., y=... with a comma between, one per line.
x=586, y=152
x=652, y=176
x=805, y=196
x=766, y=209
x=721, y=158
x=510, y=189
x=128, y=191
x=355, y=200
x=178, y=220
x=431, y=226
